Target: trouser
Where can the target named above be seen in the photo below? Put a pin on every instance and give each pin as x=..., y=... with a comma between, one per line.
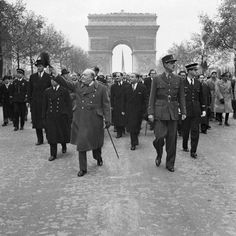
x=220, y=117
x=134, y=138
x=53, y=148
x=19, y=114
x=83, y=158
x=191, y=126
x=120, y=130
x=39, y=133
x=166, y=131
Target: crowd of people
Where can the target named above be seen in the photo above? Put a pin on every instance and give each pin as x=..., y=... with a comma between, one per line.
x=76, y=108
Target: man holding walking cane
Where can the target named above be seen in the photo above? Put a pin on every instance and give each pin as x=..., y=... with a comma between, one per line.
x=92, y=108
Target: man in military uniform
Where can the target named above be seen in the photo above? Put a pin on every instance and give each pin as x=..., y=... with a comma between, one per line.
x=195, y=107
x=38, y=82
x=56, y=113
x=19, y=98
x=167, y=95
x=92, y=107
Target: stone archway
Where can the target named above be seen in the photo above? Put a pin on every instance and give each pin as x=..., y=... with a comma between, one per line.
x=136, y=30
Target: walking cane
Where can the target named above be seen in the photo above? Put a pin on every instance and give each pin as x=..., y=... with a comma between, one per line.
x=112, y=143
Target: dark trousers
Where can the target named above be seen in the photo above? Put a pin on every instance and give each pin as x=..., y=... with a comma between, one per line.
x=134, y=138
x=53, y=148
x=220, y=117
x=97, y=155
x=39, y=133
x=166, y=131
x=120, y=130
x=191, y=126
x=19, y=114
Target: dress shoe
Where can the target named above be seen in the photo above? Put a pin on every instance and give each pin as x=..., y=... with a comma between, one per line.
x=21, y=128
x=193, y=155
x=220, y=123
x=185, y=149
x=119, y=136
x=4, y=124
x=15, y=129
x=63, y=150
x=133, y=148
x=52, y=158
x=158, y=161
x=171, y=169
x=100, y=162
x=38, y=143
x=227, y=124
x=204, y=132
x=81, y=173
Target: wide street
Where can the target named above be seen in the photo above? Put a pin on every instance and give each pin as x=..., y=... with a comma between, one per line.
x=126, y=196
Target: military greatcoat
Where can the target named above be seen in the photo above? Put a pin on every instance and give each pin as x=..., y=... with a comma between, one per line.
x=91, y=108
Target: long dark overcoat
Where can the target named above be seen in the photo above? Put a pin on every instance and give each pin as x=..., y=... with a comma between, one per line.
x=56, y=111
x=92, y=106
x=118, y=103
x=136, y=105
x=36, y=89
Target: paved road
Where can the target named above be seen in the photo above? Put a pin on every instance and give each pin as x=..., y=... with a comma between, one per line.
x=129, y=196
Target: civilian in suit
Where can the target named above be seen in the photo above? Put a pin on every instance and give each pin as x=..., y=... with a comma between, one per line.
x=148, y=83
x=117, y=104
x=7, y=105
x=195, y=107
x=38, y=83
x=92, y=107
x=135, y=106
x=19, y=98
x=56, y=114
x=167, y=95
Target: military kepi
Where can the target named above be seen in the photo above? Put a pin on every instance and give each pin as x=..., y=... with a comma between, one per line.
x=20, y=71
x=168, y=58
x=191, y=66
x=64, y=72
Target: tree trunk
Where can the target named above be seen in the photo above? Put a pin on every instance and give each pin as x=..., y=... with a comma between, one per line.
x=235, y=63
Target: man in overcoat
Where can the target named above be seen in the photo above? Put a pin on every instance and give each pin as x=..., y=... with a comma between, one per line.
x=117, y=104
x=195, y=107
x=92, y=108
x=167, y=95
x=38, y=82
x=19, y=97
x=56, y=114
x=136, y=107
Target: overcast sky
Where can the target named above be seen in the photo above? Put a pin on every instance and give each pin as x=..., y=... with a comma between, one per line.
x=178, y=19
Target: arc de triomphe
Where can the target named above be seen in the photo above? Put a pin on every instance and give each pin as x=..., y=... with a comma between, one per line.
x=136, y=30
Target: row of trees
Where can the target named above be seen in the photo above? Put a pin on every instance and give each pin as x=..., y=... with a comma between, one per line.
x=216, y=43
x=23, y=35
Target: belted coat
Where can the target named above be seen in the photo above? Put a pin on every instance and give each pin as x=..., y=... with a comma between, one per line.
x=167, y=95
x=92, y=107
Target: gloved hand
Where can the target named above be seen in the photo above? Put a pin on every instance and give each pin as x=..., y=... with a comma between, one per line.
x=107, y=124
x=222, y=101
x=203, y=114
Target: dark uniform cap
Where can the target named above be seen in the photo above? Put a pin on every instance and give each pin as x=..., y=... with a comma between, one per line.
x=168, y=58
x=64, y=72
x=20, y=71
x=191, y=66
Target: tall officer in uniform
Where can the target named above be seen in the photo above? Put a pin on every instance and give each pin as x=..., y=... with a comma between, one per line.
x=19, y=98
x=195, y=107
x=38, y=82
x=167, y=95
x=92, y=108
x=56, y=113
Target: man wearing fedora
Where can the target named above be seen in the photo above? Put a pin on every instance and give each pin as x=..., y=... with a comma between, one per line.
x=167, y=95
x=195, y=107
x=38, y=82
x=19, y=97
